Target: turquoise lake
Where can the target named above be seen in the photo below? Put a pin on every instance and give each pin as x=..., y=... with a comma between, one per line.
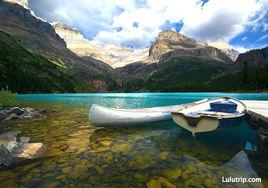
x=160, y=155
x=132, y=100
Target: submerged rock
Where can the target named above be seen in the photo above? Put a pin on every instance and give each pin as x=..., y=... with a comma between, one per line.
x=8, y=137
x=160, y=183
x=142, y=161
x=13, y=152
x=163, y=155
x=47, y=111
x=104, y=142
x=11, y=117
x=122, y=148
x=31, y=150
x=16, y=110
x=7, y=113
x=173, y=173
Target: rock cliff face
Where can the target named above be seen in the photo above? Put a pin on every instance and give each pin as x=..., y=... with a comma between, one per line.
x=23, y=3
x=224, y=47
x=114, y=55
x=39, y=37
x=34, y=34
x=174, y=62
x=170, y=43
x=257, y=57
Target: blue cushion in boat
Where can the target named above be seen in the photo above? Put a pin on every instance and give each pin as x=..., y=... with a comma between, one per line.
x=223, y=106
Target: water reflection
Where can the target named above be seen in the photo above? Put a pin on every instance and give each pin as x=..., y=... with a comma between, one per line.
x=80, y=155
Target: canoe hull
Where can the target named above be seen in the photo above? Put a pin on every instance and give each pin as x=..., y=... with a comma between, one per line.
x=111, y=117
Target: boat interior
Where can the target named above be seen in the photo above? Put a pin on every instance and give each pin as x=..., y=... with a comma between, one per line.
x=215, y=108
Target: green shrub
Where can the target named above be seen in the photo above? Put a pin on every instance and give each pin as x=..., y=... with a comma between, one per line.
x=7, y=97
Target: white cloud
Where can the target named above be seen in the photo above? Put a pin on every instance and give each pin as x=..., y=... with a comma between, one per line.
x=149, y=17
x=244, y=38
x=241, y=49
x=220, y=19
x=264, y=37
x=112, y=21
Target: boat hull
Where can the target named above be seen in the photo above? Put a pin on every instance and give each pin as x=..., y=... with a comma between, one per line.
x=206, y=124
x=112, y=117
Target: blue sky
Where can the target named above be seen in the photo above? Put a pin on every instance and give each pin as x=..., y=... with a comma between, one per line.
x=136, y=23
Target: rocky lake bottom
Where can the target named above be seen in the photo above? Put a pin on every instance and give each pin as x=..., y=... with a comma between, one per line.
x=161, y=155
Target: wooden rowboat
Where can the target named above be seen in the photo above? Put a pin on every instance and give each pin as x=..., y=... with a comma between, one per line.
x=210, y=115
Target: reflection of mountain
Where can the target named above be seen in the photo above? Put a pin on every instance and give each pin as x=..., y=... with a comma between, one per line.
x=169, y=153
x=240, y=166
x=259, y=161
x=167, y=138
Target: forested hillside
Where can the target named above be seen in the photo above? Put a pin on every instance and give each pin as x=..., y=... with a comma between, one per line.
x=24, y=72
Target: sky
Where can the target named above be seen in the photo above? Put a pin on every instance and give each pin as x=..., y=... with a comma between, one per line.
x=136, y=23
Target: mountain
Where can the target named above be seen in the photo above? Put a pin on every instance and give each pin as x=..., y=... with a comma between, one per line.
x=114, y=55
x=179, y=63
x=36, y=56
x=24, y=72
x=257, y=57
x=39, y=37
x=251, y=73
x=170, y=43
x=23, y=3
x=224, y=47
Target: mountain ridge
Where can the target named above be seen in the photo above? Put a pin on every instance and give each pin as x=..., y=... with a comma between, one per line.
x=174, y=62
x=171, y=43
x=225, y=47
x=40, y=37
x=113, y=55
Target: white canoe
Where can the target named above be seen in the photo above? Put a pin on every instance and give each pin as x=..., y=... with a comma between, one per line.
x=105, y=117
x=202, y=117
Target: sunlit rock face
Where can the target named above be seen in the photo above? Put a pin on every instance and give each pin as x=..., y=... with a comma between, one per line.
x=114, y=55
x=23, y=3
x=170, y=43
x=39, y=37
x=225, y=47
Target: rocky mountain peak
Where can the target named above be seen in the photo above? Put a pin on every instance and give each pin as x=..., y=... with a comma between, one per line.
x=224, y=47
x=61, y=26
x=71, y=36
x=171, y=43
x=220, y=44
x=23, y=3
x=172, y=37
x=114, y=55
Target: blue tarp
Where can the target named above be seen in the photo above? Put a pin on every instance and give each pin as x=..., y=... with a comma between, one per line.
x=223, y=106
